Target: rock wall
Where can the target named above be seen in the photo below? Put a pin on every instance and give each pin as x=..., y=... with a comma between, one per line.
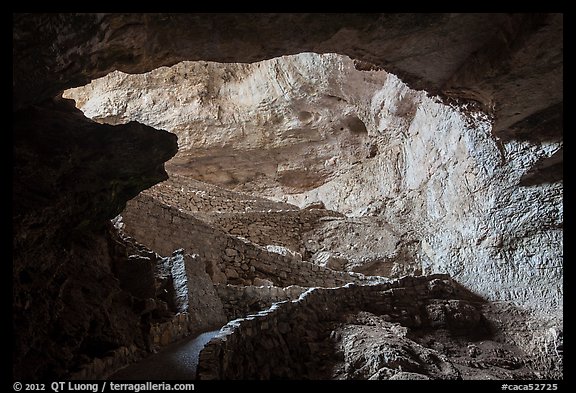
x=409, y=321
x=284, y=228
x=260, y=220
x=69, y=173
x=462, y=196
x=160, y=335
x=464, y=199
x=193, y=307
x=195, y=293
x=100, y=368
x=71, y=176
x=466, y=55
x=198, y=197
x=280, y=228
x=165, y=333
x=228, y=259
x=275, y=343
x=240, y=301
x=367, y=245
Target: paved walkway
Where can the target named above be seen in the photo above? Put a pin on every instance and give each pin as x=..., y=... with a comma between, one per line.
x=177, y=361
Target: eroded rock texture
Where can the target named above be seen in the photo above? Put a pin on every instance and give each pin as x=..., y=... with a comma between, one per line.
x=468, y=198
x=437, y=189
x=71, y=176
x=463, y=55
x=412, y=328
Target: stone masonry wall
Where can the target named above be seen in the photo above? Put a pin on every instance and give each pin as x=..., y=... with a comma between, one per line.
x=101, y=368
x=196, y=196
x=273, y=343
x=161, y=334
x=243, y=300
x=165, y=333
x=199, y=309
x=284, y=228
x=260, y=220
x=281, y=228
x=229, y=260
x=195, y=293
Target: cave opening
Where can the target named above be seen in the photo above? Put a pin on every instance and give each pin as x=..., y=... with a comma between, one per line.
x=317, y=217
x=318, y=159
x=306, y=131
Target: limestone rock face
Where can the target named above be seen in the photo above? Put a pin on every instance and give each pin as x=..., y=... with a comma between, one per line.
x=76, y=173
x=71, y=175
x=459, y=55
x=365, y=245
x=373, y=348
x=450, y=196
x=288, y=123
x=97, y=302
x=73, y=297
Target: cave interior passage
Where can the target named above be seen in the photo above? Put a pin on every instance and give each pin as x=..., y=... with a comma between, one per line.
x=288, y=212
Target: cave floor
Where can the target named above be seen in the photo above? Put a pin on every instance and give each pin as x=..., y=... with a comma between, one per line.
x=365, y=346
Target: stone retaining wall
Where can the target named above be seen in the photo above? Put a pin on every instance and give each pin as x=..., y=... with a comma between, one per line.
x=161, y=334
x=239, y=301
x=229, y=259
x=100, y=368
x=259, y=220
x=200, y=310
x=177, y=328
x=196, y=196
x=283, y=228
x=276, y=343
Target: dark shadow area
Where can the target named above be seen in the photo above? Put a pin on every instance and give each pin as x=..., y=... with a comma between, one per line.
x=73, y=300
x=542, y=126
x=449, y=337
x=177, y=361
x=547, y=170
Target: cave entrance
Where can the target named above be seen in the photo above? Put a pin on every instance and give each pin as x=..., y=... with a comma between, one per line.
x=280, y=128
x=293, y=174
x=258, y=142
x=316, y=153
